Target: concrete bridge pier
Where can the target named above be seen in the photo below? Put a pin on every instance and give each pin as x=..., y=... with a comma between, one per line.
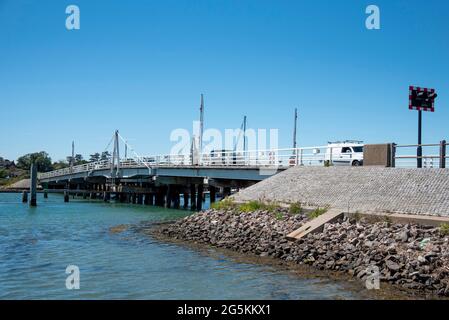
x=212, y=194
x=185, y=200
x=226, y=192
x=140, y=198
x=177, y=198
x=192, y=197
x=199, y=199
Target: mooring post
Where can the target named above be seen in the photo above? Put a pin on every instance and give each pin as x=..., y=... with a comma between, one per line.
x=24, y=197
x=33, y=185
x=443, y=154
x=66, y=196
x=45, y=194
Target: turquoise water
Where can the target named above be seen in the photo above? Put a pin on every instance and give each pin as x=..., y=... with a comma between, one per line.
x=37, y=244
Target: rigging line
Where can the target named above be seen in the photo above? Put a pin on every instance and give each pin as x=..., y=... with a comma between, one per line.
x=133, y=151
x=109, y=144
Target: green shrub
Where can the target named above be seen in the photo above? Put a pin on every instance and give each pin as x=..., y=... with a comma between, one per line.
x=316, y=213
x=295, y=208
x=444, y=229
x=225, y=204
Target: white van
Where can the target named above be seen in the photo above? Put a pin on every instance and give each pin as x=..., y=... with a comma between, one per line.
x=344, y=153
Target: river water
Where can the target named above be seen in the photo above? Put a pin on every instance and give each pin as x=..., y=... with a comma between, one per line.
x=37, y=244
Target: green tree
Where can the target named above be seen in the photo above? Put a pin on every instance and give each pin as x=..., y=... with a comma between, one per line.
x=3, y=173
x=42, y=160
x=105, y=156
x=94, y=157
x=61, y=164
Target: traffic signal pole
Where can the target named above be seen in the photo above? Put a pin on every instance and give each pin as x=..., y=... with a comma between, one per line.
x=419, y=150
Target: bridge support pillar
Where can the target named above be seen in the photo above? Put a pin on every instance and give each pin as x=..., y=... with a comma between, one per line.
x=226, y=192
x=169, y=196
x=66, y=196
x=176, y=199
x=140, y=198
x=192, y=197
x=186, y=200
x=212, y=194
x=149, y=199
x=199, y=199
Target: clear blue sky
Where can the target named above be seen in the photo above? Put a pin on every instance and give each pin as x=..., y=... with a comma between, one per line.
x=140, y=66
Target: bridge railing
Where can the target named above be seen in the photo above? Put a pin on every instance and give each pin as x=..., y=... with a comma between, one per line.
x=282, y=158
x=433, y=155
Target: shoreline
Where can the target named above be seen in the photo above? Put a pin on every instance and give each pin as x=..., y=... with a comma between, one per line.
x=342, y=252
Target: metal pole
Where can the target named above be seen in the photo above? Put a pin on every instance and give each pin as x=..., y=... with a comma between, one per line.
x=419, y=150
x=295, y=127
x=200, y=143
x=244, y=134
x=443, y=154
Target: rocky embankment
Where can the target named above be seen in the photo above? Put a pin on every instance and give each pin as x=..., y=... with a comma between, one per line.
x=408, y=256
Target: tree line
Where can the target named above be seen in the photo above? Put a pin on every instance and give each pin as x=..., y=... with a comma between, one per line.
x=44, y=162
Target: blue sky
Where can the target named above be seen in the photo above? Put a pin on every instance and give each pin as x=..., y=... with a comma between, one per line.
x=140, y=67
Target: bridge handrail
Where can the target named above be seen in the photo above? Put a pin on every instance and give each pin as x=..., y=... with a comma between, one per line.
x=266, y=157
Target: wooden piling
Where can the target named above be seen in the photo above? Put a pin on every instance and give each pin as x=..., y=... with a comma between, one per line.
x=33, y=185
x=24, y=197
x=66, y=196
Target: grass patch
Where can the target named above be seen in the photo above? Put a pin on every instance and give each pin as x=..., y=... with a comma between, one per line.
x=251, y=206
x=295, y=208
x=258, y=205
x=225, y=204
x=279, y=216
x=444, y=229
x=317, y=212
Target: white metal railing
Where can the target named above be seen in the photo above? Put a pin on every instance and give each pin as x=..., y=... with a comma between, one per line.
x=310, y=156
x=406, y=155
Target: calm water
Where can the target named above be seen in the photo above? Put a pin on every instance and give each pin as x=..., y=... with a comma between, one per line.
x=37, y=244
